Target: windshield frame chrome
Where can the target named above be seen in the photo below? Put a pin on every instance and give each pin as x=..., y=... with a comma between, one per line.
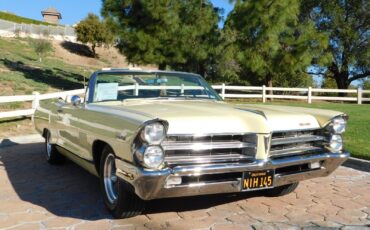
x=92, y=81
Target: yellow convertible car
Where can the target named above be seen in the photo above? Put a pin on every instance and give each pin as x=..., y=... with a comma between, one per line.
x=159, y=134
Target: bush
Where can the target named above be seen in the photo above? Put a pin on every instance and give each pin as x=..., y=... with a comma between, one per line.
x=92, y=30
x=42, y=47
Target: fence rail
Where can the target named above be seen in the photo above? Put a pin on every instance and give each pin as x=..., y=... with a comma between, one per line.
x=252, y=92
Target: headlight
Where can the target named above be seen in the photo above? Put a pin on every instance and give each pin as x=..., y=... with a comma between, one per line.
x=153, y=133
x=338, y=125
x=336, y=142
x=153, y=157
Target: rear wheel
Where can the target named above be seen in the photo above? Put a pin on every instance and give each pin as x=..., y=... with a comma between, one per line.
x=120, y=202
x=281, y=190
x=52, y=155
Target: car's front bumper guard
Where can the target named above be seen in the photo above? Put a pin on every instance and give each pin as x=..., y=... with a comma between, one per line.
x=151, y=184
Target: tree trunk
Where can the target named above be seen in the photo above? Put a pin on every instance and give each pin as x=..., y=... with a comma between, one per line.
x=202, y=70
x=341, y=78
x=162, y=66
x=268, y=82
x=93, y=49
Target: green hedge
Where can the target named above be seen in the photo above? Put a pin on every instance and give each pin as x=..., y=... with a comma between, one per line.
x=19, y=19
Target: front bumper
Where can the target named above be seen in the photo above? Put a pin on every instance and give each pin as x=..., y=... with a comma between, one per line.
x=152, y=184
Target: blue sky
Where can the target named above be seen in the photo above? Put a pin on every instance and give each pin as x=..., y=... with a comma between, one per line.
x=72, y=10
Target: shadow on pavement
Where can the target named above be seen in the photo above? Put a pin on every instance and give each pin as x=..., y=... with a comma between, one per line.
x=69, y=191
x=358, y=164
x=7, y=142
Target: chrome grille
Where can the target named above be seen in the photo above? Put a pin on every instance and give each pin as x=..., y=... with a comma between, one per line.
x=216, y=148
x=296, y=143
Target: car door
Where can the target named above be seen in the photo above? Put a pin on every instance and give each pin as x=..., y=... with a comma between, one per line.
x=70, y=136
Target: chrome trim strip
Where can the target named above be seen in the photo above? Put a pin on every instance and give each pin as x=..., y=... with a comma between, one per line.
x=295, y=130
x=197, y=146
x=288, y=151
x=207, y=134
x=299, y=139
x=207, y=159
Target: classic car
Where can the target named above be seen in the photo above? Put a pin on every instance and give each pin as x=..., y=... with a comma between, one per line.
x=160, y=134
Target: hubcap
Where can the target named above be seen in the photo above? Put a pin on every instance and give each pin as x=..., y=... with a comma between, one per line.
x=48, y=147
x=110, y=179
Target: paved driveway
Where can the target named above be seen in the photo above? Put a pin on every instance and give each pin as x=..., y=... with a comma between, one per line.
x=35, y=195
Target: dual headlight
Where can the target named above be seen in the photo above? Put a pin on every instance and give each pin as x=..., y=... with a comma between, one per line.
x=336, y=128
x=151, y=154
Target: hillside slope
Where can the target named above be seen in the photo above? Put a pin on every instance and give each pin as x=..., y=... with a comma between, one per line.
x=67, y=67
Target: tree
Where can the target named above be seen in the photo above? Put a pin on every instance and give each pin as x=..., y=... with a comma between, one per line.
x=92, y=30
x=366, y=84
x=41, y=47
x=347, y=23
x=178, y=34
x=273, y=42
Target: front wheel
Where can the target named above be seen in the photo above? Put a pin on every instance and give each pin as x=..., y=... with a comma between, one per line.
x=120, y=202
x=281, y=190
x=52, y=155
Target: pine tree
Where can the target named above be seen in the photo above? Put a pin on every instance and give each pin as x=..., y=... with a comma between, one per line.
x=170, y=33
x=273, y=42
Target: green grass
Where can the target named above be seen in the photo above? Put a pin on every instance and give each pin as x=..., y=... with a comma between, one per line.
x=22, y=73
x=19, y=19
x=357, y=135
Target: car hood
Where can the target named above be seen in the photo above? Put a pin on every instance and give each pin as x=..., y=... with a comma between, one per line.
x=203, y=116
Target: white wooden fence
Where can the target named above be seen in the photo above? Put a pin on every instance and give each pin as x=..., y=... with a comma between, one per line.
x=254, y=92
x=307, y=94
x=35, y=98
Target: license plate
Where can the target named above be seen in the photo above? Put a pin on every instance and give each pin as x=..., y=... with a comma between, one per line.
x=258, y=180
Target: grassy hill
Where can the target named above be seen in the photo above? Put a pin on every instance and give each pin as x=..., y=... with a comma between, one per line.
x=22, y=73
x=19, y=19
x=67, y=67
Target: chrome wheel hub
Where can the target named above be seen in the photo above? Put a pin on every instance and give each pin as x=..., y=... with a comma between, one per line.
x=110, y=179
x=48, y=148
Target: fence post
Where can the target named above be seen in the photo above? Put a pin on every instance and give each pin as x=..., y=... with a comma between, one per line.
x=136, y=89
x=309, y=95
x=264, y=94
x=223, y=91
x=182, y=89
x=35, y=102
x=359, y=96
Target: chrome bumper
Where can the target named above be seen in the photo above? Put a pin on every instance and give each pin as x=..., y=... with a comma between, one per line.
x=152, y=184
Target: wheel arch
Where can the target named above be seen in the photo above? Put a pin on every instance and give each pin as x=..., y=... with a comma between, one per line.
x=97, y=149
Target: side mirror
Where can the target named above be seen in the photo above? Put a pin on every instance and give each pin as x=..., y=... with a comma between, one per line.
x=75, y=100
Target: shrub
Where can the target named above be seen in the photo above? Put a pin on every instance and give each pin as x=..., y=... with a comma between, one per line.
x=41, y=47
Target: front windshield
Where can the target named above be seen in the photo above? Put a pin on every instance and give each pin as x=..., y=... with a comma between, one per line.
x=118, y=86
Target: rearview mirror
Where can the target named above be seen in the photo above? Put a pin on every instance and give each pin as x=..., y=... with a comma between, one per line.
x=75, y=100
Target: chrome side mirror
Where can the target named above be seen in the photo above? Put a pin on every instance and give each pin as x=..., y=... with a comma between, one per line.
x=75, y=100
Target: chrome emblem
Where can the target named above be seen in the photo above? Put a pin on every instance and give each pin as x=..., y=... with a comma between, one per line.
x=305, y=124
